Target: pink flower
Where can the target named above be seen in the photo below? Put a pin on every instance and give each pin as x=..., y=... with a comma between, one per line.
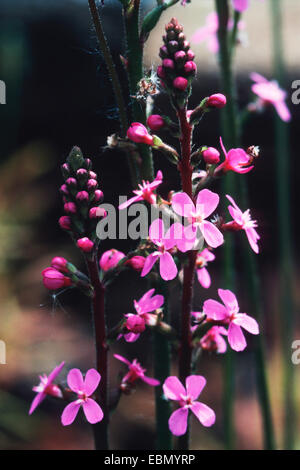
x=110, y=259
x=46, y=387
x=135, y=372
x=206, y=203
x=60, y=264
x=230, y=315
x=136, y=322
x=54, y=279
x=243, y=219
x=84, y=389
x=201, y=262
x=139, y=134
x=174, y=390
x=85, y=244
x=271, y=93
x=164, y=242
x=241, y=5
x=235, y=160
x=145, y=192
x=213, y=341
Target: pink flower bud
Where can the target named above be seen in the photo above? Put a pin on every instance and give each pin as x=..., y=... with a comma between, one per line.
x=88, y=162
x=98, y=195
x=179, y=55
x=160, y=72
x=211, y=155
x=139, y=134
x=64, y=189
x=81, y=172
x=65, y=167
x=155, y=122
x=53, y=279
x=82, y=196
x=92, y=184
x=163, y=51
x=110, y=259
x=190, y=66
x=85, y=244
x=65, y=222
x=136, y=262
x=168, y=63
x=93, y=175
x=70, y=208
x=97, y=213
x=60, y=264
x=135, y=324
x=71, y=182
x=216, y=101
x=190, y=55
x=180, y=83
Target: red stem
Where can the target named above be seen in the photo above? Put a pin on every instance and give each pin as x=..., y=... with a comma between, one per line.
x=100, y=429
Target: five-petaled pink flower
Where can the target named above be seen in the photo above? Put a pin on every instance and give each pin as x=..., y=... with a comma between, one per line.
x=206, y=203
x=135, y=372
x=145, y=192
x=240, y=5
x=84, y=388
x=164, y=242
x=174, y=390
x=269, y=92
x=46, y=387
x=213, y=340
x=201, y=262
x=136, y=323
x=229, y=314
x=243, y=220
x=236, y=160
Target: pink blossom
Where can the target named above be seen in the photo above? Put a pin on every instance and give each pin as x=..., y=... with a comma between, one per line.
x=54, y=279
x=206, y=203
x=213, y=341
x=110, y=259
x=243, y=219
x=236, y=160
x=139, y=134
x=187, y=399
x=229, y=314
x=145, y=192
x=201, y=262
x=135, y=372
x=269, y=92
x=85, y=244
x=136, y=323
x=46, y=387
x=164, y=242
x=84, y=388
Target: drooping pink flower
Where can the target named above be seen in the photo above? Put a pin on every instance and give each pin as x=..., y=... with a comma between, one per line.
x=84, y=388
x=206, y=203
x=164, y=242
x=46, y=387
x=110, y=259
x=54, y=279
x=187, y=399
x=138, y=133
x=145, y=192
x=269, y=92
x=229, y=313
x=213, y=341
x=236, y=160
x=201, y=262
x=241, y=5
x=135, y=372
x=243, y=220
x=136, y=323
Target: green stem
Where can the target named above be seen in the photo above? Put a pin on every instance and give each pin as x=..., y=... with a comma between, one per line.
x=285, y=239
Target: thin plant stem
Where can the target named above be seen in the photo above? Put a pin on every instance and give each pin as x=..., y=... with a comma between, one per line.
x=282, y=150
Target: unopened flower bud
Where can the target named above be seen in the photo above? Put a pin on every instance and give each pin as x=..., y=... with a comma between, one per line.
x=92, y=175
x=81, y=172
x=190, y=55
x=71, y=182
x=155, y=122
x=136, y=262
x=85, y=244
x=216, y=101
x=168, y=64
x=70, y=208
x=98, y=195
x=97, y=213
x=211, y=155
x=82, y=196
x=53, y=279
x=179, y=56
x=160, y=72
x=135, y=324
x=64, y=189
x=190, y=66
x=180, y=83
x=139, y=134
x=60, y=264
x=65, y=222
x=92, y=184
x=110, y=259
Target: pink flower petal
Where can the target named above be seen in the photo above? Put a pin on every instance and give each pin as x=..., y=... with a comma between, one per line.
x=204, y=413
x=91, y=381
x=256, y=77
x=167, y=267
x=129, y=202
x=207, y=255
x=204, y=278
x=150, y=381
x=253, y=236
x=207, y=202
x=236, y=337
x=211, y=234
x=178, y=421
x=70, y=413
x=173, y=388
x=149, y=263
x=240, y=5
x=55, y=372
x=122, y=359
x=182, y=204
x=229, y=299
x=169, y=239
x=214, y=310
x=283, y=111
x=38, y=399
x=194, y=385
x=131, y=337
x=247, y=322
x=156, y=230
x=75, y=380
x=92, y=411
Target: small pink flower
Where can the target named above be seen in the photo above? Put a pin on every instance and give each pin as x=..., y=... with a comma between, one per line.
x=269, y=92
x=218, y=100
x=180, y=83
x=85, y=244
x=230, y=315
x=236, y=160
x=155, y=122
x=206, y=203
x=243, y=219
x=110, y=259
x=139, y=134
x=46, y=387
x=145, y=192
x=60, y=264
x=135, y=372
x=211, y=155
x=84, y=388
x=187, y=399
x=54, y=279
x=213, y=341
x=201, y=262
x=65, y=222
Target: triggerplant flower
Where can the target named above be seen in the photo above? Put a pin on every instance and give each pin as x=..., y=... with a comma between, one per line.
x=186, y=397
x=145, y=192
x=84, y=388
x=201, y=262
x=229, y=314
x=236, y=160
x=244, y=222
x=46, y=387
x=135, y=372
x=213, y=340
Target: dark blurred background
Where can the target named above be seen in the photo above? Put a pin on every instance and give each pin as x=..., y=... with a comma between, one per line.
x=59, y=95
